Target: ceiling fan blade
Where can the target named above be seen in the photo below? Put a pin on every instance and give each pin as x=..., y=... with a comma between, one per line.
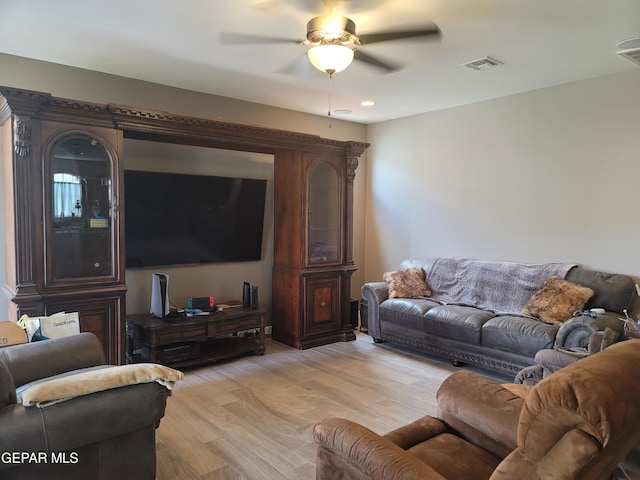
x=376, y=62
x=433, y=32
x=299, y=67
x=247, y=39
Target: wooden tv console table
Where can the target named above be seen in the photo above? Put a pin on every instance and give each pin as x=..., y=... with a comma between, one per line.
x=198, y=339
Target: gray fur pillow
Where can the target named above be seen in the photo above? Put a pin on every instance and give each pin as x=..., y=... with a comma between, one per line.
x=556, y=300
x=407, y=283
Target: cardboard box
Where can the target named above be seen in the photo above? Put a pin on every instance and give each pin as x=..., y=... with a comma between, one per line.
x=11, y=334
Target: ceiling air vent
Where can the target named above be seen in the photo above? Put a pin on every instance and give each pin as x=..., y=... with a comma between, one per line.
x=484, y=63
x=630, y=49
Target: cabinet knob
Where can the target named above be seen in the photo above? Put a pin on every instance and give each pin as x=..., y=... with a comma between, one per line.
x=323, y=304
x=96, y=264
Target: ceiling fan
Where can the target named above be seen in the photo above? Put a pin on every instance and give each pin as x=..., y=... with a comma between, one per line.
x=335, y=44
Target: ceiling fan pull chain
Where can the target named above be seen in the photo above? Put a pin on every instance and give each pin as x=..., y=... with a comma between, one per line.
x=329, y=105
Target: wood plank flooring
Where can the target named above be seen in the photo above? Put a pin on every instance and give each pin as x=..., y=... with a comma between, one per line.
x=251, y=418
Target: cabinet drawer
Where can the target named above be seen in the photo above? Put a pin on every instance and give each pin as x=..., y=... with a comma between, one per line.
x=230, y=326
x=191, y=332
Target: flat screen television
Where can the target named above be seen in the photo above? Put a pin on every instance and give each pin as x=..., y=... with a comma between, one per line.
x=179, y=219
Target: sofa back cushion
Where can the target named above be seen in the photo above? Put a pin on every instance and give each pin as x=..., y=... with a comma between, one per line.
x=613, y=292
x=425, y=262
x=501, y=287
x=33, y=361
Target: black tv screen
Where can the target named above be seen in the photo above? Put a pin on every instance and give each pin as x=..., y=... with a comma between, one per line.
x=177, y=219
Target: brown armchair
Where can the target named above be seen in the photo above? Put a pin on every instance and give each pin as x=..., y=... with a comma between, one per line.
x=64, y=414
x=578, y=423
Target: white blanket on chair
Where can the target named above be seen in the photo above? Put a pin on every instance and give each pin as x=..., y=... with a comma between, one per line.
x=64, y=388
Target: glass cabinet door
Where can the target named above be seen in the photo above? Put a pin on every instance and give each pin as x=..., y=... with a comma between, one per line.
x=324, y=213
x=80, y=172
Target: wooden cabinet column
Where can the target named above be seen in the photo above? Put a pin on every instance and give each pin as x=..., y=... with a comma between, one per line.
x=313, y=257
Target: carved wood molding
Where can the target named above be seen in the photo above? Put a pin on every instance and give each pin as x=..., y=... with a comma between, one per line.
x=21, y=136
x=353, y=152
x=151, y=124
x=158, y=125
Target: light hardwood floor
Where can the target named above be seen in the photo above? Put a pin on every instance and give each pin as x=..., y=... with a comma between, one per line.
x=251, y=418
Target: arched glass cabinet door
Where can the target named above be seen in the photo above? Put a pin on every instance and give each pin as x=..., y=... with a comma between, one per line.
x=324, y=213
x=80, y=172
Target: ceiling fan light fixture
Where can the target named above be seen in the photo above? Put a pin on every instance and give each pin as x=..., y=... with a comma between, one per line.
x=330, y=58
x=328, y=28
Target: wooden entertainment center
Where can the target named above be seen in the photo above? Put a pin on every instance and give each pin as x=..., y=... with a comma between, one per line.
x=196, y=340
x=66, y=260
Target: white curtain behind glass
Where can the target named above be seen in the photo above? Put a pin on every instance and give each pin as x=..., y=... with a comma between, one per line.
x=67, y=191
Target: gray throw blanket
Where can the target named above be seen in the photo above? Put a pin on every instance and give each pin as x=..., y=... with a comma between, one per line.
x=501, y=287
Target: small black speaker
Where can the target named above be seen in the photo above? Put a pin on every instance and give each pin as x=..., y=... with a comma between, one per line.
x=254, y=296
x=246, y=295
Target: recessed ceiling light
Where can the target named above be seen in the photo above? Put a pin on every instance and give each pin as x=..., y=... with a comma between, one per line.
x=630, y=49
x=342, y=111
x=629, y=43
x=368, y=103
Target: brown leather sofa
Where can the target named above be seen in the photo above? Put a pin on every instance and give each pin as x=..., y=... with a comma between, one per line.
x=578, y=423
x=107, y=434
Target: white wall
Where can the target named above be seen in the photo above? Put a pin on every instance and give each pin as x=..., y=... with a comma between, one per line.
x=223, y=281
x=547, y=175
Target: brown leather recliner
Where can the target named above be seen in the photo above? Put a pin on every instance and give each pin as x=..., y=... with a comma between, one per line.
x=107, y=434
x=578, y=423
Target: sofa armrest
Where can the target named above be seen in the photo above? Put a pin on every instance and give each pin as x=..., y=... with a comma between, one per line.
x=577, y=331
x=70, y=425
x=22, y=431
x=25, y=362
x=347, y=450
x=374, y=293
x=481, y=411
x=416, y=432
x=7, y=387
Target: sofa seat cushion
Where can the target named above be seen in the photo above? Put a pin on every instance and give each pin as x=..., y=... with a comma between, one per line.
x=411, y=306
x=521, y=335
x=436, y=452
x=404, y=318
x=457, y=322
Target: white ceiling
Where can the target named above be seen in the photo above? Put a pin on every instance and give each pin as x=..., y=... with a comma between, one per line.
x=177, y=43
